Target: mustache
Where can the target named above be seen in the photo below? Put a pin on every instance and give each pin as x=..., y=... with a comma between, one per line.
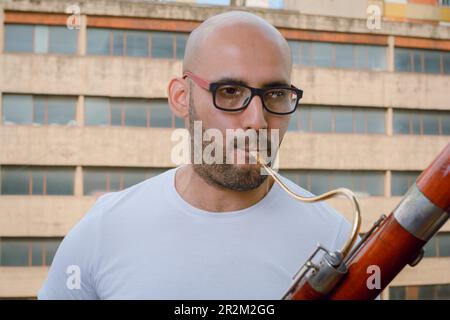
x=266, y=146
x=251, y=140
x=262, y=148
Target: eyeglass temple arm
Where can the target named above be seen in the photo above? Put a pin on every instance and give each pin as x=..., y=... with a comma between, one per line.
x=202, y=83
x=300, y=91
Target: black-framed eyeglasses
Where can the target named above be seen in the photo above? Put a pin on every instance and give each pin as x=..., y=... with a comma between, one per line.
x=231, y=96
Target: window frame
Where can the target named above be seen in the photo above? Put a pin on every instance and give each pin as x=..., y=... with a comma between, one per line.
x=45, y=98
x=410, y=113
x=29, y=172
x=149, y=35
x=410, y=179
x=307, y=110
x=298, y=46
x=122, y=102
x=307, y=176
x=29, y=242
x=421, y=52
x=121, y=172
x=49, y=39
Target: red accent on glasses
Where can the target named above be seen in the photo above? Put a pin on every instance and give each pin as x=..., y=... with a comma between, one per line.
x=201, y=82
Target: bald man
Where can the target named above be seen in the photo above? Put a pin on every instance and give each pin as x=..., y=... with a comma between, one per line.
x=205, y=231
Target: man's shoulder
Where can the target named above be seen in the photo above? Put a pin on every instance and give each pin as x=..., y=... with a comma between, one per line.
x=125, y=204
x=147, y=188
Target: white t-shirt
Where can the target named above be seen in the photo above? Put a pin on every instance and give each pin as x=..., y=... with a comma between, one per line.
x=146, y=242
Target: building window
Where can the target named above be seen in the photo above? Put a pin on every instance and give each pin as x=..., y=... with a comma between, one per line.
x=40, y=39
x=337, y=120
x=136, y=44
x=130, y=112
x=27, y=180
x=28, y=252
x=438, y=246
x=337, y=55
x=38, y=110
x=364, y=184
x=270, y=4
x=19, y=38
x=131, y=43
x=401, y=182
x=423, y=61
x=101, y=180
x=162, y=45
x=425, y=292
x=98, y=42
x=214, y=2
x=420, y=122
x=322, y=54
x=180, y=45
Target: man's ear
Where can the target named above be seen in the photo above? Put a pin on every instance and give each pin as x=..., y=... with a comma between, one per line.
x=178, y=97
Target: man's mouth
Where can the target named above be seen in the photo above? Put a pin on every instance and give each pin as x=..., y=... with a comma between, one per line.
x=247, y=148
x=248, y=156
x=251, y=152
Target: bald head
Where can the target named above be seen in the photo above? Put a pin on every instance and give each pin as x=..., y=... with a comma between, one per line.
x=233, y=30
x=235, y=50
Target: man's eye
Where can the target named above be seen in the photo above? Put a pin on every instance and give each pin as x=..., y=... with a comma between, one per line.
x=231, y=91
x=276, y=94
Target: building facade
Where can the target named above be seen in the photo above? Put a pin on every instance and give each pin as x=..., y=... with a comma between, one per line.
x=83, y=109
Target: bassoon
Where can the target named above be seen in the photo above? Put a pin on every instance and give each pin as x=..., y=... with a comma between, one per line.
x=393, y=241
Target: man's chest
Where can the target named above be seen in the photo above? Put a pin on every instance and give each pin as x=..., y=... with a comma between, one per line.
x=192, y=261
x=201, y=272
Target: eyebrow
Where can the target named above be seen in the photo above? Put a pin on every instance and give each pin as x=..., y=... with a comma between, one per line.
x=271, y=84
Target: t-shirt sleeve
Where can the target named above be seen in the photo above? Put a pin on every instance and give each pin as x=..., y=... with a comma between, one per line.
x=71, y=275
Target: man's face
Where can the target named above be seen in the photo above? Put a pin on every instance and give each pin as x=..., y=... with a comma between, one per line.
x=256, y=60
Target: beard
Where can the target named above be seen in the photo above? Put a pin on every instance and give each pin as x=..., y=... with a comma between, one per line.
x=237, y=177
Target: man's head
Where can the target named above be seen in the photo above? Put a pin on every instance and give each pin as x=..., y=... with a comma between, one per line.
x=244, y=47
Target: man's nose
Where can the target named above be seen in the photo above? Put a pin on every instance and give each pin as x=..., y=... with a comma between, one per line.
x=254, y=115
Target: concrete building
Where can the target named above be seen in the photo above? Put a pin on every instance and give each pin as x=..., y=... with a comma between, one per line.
x=84, y=111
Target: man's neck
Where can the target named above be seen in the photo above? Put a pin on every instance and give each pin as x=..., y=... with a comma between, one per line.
x=212, y=198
